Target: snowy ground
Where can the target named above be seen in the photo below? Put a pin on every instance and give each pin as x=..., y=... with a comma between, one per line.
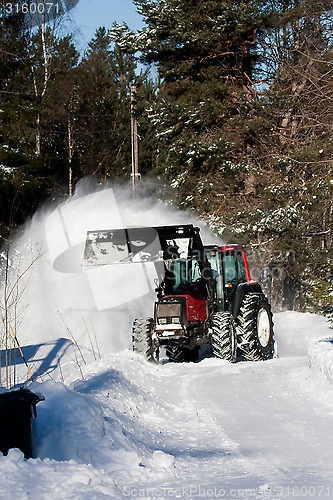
x=114, y=426
x=126, y=429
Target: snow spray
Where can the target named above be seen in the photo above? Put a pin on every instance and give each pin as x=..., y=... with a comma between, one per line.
x=60, y=297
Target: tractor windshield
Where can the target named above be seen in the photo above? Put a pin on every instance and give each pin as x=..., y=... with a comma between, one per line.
x=183, y=276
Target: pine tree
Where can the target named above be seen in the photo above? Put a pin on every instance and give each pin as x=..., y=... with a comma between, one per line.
x=14, y=56
x=299, y=103
x=35, y=87
x=205, y=55
x=99, y=116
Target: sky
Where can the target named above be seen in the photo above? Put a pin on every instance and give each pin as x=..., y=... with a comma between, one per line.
x=89, y=15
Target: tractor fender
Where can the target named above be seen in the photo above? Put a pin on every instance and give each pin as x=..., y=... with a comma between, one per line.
x=242, y=290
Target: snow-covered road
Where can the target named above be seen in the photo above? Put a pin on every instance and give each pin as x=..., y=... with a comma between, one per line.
x=122, y=428
x=246, y=430
x=280, y=434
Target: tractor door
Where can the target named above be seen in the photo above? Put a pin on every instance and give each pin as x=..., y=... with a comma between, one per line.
x=214, y=258
x=234, y=274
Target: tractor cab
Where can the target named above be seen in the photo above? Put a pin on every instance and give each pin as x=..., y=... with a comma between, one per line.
x=229, y=268
x=184, y=276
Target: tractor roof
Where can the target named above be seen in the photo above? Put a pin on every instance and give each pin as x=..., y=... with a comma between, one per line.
x=225, y=248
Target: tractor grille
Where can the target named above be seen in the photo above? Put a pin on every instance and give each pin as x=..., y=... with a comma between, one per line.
x=169, y=312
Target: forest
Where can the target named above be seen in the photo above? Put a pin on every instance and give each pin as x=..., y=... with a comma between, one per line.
x=235, y=122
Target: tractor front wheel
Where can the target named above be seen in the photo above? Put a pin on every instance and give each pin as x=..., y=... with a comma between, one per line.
x=224, y=341
x=181, y=354
x=142, y=339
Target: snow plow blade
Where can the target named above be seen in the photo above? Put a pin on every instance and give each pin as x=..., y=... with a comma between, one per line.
x=138, y=245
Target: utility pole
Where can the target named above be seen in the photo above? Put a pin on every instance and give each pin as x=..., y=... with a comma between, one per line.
x=134, y=141
x=70, y=154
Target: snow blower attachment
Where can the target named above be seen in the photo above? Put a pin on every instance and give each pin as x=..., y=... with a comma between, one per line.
x=146, y=244
x=205, y=295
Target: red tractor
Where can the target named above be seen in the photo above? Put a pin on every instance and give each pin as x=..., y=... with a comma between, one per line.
x=206, y=297
x=205, y=294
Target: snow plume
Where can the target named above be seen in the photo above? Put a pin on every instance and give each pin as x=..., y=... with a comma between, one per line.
x=93, y=306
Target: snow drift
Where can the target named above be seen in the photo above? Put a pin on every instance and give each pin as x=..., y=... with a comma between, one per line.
x=321, y=357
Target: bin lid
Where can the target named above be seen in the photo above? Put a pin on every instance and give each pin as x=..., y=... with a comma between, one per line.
x=21, y=394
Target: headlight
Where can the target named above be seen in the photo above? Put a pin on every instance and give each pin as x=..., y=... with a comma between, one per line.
x=162, y=321
x=175, y=320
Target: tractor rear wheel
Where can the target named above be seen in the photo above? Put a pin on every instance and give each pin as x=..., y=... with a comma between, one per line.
x=255, y=328
x=224, y=340
x=142, y=339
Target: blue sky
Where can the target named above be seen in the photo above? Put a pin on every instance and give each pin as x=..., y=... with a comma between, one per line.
x=89, y=15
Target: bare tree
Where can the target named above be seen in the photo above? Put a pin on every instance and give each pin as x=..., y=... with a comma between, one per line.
x=14, y=275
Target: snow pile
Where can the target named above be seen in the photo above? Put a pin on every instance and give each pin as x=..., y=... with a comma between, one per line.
x=321, y=357
x=305, y=334
x=296, y=332
x=48, y=479
x=96, y=435
x=97, y=420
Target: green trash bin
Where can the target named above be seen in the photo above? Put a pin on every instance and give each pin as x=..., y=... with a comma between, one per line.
x=18, y=421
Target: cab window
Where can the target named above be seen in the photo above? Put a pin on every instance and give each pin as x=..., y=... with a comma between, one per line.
x=241, y=267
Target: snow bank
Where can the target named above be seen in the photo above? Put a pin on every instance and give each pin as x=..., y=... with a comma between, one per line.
x=96, y=435
x=305, y=334
x=49, y=479
x=321, y=357
x=296, y=332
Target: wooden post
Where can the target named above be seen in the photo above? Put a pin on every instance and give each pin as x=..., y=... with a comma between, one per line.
x=134, y=142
